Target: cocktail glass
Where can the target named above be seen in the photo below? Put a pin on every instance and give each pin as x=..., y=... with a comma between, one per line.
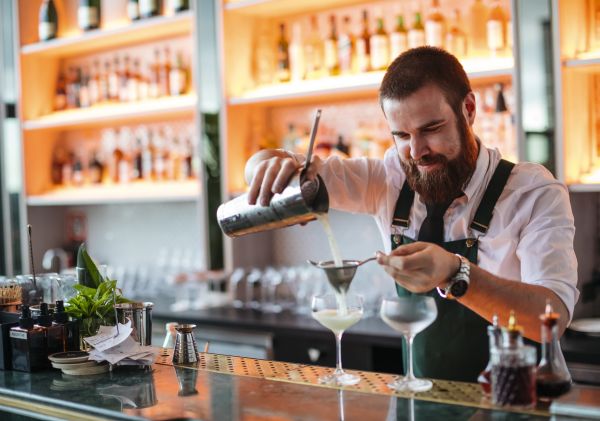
x=409, y=316
x=337, y=313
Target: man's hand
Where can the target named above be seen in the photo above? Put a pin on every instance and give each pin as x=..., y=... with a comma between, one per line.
x=269, y=172
x=419, y=267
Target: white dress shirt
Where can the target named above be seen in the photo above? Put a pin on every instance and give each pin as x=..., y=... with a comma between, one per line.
x=530, y=237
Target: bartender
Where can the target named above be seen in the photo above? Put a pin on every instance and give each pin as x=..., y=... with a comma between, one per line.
x=480, y=234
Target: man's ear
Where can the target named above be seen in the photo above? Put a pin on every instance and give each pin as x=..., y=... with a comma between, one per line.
x=469, y=108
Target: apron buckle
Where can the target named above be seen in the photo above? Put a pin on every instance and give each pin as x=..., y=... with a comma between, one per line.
x=470, y=242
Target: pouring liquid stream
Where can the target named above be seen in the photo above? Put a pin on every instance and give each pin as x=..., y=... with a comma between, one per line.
x=337, y=259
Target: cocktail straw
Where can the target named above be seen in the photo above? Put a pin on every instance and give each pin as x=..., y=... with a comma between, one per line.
x=31, y=254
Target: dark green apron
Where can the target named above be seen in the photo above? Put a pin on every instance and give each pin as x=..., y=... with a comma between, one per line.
x=455, y=346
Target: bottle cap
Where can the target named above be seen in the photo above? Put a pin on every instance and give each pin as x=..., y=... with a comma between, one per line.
x=60, y=315
x=25, y=321
x=44, y=319
x=549, y=317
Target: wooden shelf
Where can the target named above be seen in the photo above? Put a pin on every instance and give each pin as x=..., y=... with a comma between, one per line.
x=272, y=8
x=138, y=192
x=120, y=112
x=341, y=86
x=583, y=62
x=144, y=30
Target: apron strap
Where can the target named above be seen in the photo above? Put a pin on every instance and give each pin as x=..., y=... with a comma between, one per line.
x=485, y=211
x=403, y=206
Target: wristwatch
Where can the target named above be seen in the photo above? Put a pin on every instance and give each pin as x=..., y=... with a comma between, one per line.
x=458, y=284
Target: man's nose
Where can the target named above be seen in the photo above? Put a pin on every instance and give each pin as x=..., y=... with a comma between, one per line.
x=418, y=148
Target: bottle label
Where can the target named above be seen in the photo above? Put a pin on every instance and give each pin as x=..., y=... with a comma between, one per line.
x=87, y=16
x=434, y=34
x=416, y=38
x=398, y=44
x=148, y=7
x=46, y=30
x=345, y=53
x=379, y=52
x=133, y=10
x=495, y=35
x=331, y=58
x=18, y=335
x=176, y=82
x=362, y=57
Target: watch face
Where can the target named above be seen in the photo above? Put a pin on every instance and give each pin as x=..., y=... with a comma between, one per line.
x=459, y=288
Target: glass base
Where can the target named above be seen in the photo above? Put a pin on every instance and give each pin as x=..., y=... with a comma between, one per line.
x=340, y=378
x=402, y=384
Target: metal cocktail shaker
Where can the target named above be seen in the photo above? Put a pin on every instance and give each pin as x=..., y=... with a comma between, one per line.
x=140, y=315
x=300, y=202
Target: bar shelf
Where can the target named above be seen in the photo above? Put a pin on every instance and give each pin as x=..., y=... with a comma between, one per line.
x=145, y=30
x=134, y=192
x=98, y=115
x=350, y=85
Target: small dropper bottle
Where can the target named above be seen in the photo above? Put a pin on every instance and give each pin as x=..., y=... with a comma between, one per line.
x=70, y=328
x=552, y=378
x=28, y=344
x=54, y=333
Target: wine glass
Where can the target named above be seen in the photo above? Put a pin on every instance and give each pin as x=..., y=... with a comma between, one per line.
x=337, y=313
x=409, y=316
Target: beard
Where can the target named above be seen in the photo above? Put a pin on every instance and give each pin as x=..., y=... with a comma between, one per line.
x=445, y=183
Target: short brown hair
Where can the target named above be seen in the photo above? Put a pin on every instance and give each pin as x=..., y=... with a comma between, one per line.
x=420, y=66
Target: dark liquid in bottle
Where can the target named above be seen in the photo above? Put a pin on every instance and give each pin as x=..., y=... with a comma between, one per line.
x=485, y=381
x=513, y=386
x=552, y=388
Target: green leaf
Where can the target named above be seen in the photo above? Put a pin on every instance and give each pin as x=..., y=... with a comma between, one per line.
x=90, y=276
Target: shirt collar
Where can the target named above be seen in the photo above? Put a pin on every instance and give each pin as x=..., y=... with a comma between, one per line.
x=481, y=168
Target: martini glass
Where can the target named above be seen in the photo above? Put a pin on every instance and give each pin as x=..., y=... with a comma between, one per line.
x=409, y=316
x=338, y=315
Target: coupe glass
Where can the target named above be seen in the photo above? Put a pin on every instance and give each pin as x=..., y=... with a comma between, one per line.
x=337, y=313
x=409, y=316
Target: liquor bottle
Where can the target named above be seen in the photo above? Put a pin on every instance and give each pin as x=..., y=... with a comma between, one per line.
x=346, y=47
x=165, y=70
x=77, y=175
x=28, y=344
x=398, y=38
x=593, y=14
x=54, y=333
x=313, y=50
x=123, y=75
x=146, y=155
x=70, y=327
x=495, y=338
x=363, y=45
x=291, y=138
x=416, y=34
x=149, y=8
x=177, y=76
x=332, y=64
x=94, y=84
x=283, y=57
x=552, y=377
x=180, y=5
x=95, y=169
x=60, y=95
x=48, y=21
x=133, y=9
x=84, y=92
x=456, y=40
x=477, y=28
x=380, y=50
x=296, y=54
x=131, y=79
x=496, y=29
x=155, y=70
x=143, y=83
x=88, y=14
x=435, y=26
x=113, y=79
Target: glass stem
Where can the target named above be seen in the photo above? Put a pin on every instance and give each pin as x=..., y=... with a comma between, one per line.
x=409, y=369
x=338, y=352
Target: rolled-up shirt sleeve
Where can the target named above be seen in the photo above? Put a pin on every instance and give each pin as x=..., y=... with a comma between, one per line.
x=545, y=248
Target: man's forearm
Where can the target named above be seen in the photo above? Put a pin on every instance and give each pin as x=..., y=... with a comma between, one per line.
x=489, y=295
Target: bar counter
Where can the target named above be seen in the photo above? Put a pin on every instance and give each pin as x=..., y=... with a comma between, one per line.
x=234, y=388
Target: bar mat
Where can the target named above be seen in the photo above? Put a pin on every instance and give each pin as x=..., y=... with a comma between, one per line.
x=443, y=391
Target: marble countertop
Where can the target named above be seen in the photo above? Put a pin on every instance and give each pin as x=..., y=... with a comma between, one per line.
x=165, y=392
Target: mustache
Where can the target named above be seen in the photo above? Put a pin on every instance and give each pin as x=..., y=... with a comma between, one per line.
x=429, y=159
